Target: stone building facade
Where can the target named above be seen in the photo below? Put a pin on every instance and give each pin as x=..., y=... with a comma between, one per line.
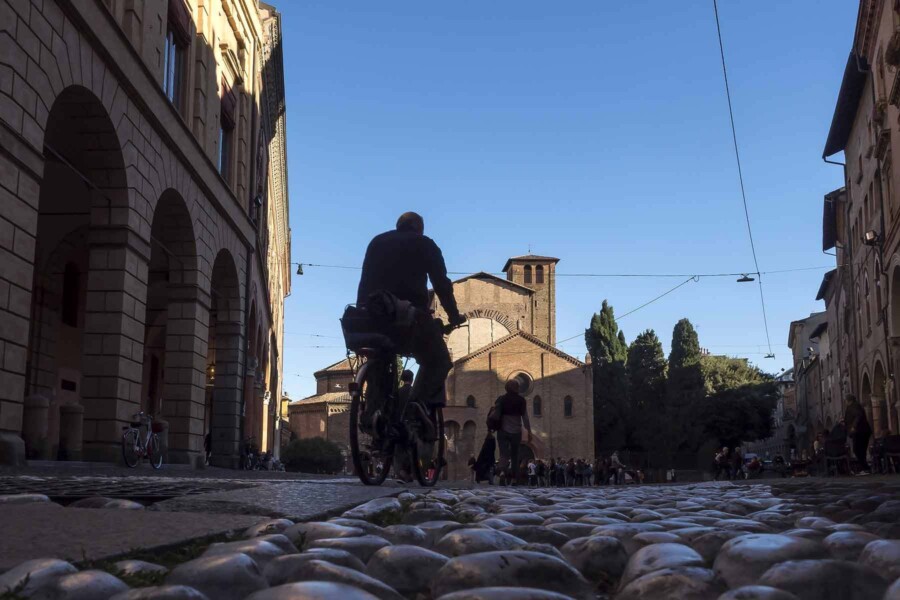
x=510, y=334
x=144, y=240
x=856, y=347
x=325, y=414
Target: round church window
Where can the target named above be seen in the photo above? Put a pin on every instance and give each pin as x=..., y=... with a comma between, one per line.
x=526, y=383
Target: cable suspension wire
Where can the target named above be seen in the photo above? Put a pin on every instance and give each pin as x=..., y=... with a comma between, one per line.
x=611, y=275
x=694, y=278
x=737, y=156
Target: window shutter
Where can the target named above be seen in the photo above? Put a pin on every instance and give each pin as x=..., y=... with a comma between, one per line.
x=228, y=105
x=180, y=21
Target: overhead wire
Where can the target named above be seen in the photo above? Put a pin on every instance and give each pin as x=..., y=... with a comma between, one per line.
x=611, y=275
x=737, y=156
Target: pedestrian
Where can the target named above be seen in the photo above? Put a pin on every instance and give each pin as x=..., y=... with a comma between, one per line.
x=471, y=463
x=737, y=464
x=588, y=473
x=859, y=430
x=579, y=472
x=570, y=472
x=511, y=408
x=484, y=465
x=541, y=473
x=617, y=468
x=721, y=463
x=532, y=473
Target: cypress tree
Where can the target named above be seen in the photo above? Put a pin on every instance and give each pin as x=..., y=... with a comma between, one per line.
x=646, y=369
x=608, y=350
x=685, y=387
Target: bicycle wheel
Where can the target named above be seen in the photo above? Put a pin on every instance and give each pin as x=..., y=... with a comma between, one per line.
x=370, y=461
x=428, y=454
x=154, y=451
x=130, y=452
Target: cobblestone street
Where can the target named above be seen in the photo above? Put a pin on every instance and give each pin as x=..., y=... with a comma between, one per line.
x=810, y=539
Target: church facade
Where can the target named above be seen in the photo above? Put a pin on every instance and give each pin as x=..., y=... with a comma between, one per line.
x=510, y=334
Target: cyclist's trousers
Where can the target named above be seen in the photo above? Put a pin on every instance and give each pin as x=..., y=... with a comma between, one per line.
x=430, y=351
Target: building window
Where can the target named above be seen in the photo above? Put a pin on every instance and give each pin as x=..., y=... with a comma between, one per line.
x=868, y=304
x=528, y=274
x=525, y=381
x=71, y=288
x=226, y=131
x=536, y=407
x=178, y=38
x=878, y=289
x=539, y=274
x=567, y=406
x=470, y=401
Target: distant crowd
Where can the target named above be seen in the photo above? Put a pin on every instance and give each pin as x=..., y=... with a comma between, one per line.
x=556, y=472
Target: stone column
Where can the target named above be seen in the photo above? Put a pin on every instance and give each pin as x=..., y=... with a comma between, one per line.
x=71, y=429
x=19, y=194
x=34, y=426
x=113, y=338
x=184, y=395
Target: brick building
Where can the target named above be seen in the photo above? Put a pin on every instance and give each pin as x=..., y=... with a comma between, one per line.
x=510, y=335
x=144, y=240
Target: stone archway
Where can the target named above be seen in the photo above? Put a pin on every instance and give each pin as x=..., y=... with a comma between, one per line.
x=85, y=328
x=175, y=330
x=866, y=399
x=226, y=358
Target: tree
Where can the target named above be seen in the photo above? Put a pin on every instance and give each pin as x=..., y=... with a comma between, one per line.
x=738, y=403
x=646, y=368
x=684, y=387
x=606, y=345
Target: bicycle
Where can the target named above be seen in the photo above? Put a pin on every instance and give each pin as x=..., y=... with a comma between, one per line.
x=134, y=447
x=384, y=426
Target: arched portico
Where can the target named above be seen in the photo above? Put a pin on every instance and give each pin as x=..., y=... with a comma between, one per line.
x=226, y=356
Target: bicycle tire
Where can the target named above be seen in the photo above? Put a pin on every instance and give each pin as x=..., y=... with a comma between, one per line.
x=129, y=448
x=154, y=452
x=360, y=464
x=421, y=464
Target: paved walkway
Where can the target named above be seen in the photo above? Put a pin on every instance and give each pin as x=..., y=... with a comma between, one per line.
x=48, y=530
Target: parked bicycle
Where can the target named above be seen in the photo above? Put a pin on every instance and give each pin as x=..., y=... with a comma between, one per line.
x=136, y=446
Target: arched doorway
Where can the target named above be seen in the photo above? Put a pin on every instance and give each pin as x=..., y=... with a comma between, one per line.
x=452, y=448
x=226, y=361
x=879, y=402
x=176, y=313
x=80, y=338
x=866, y=399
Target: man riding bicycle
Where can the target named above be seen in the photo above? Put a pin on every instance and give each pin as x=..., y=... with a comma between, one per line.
x=401, y=262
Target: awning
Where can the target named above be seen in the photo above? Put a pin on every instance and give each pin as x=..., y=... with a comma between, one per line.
x=847, y=103
x=826, y=282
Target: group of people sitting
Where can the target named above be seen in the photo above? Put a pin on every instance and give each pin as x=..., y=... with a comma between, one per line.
x=729, y=464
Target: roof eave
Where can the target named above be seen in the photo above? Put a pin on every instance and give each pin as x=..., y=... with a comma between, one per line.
x=855, y=73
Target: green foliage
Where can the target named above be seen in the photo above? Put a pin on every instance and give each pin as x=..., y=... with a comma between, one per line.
x=739, y=414
x=313, y=455
x=722, y=373
x=646, y=368
x=684, y=387
x=613, y=424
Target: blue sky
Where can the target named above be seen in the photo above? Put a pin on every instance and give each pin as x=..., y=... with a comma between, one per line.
x=596, y=132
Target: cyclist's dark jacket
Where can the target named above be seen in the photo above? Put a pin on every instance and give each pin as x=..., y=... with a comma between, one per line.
x=401, y=262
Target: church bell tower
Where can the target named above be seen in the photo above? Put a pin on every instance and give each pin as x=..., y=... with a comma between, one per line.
x=539, y=274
